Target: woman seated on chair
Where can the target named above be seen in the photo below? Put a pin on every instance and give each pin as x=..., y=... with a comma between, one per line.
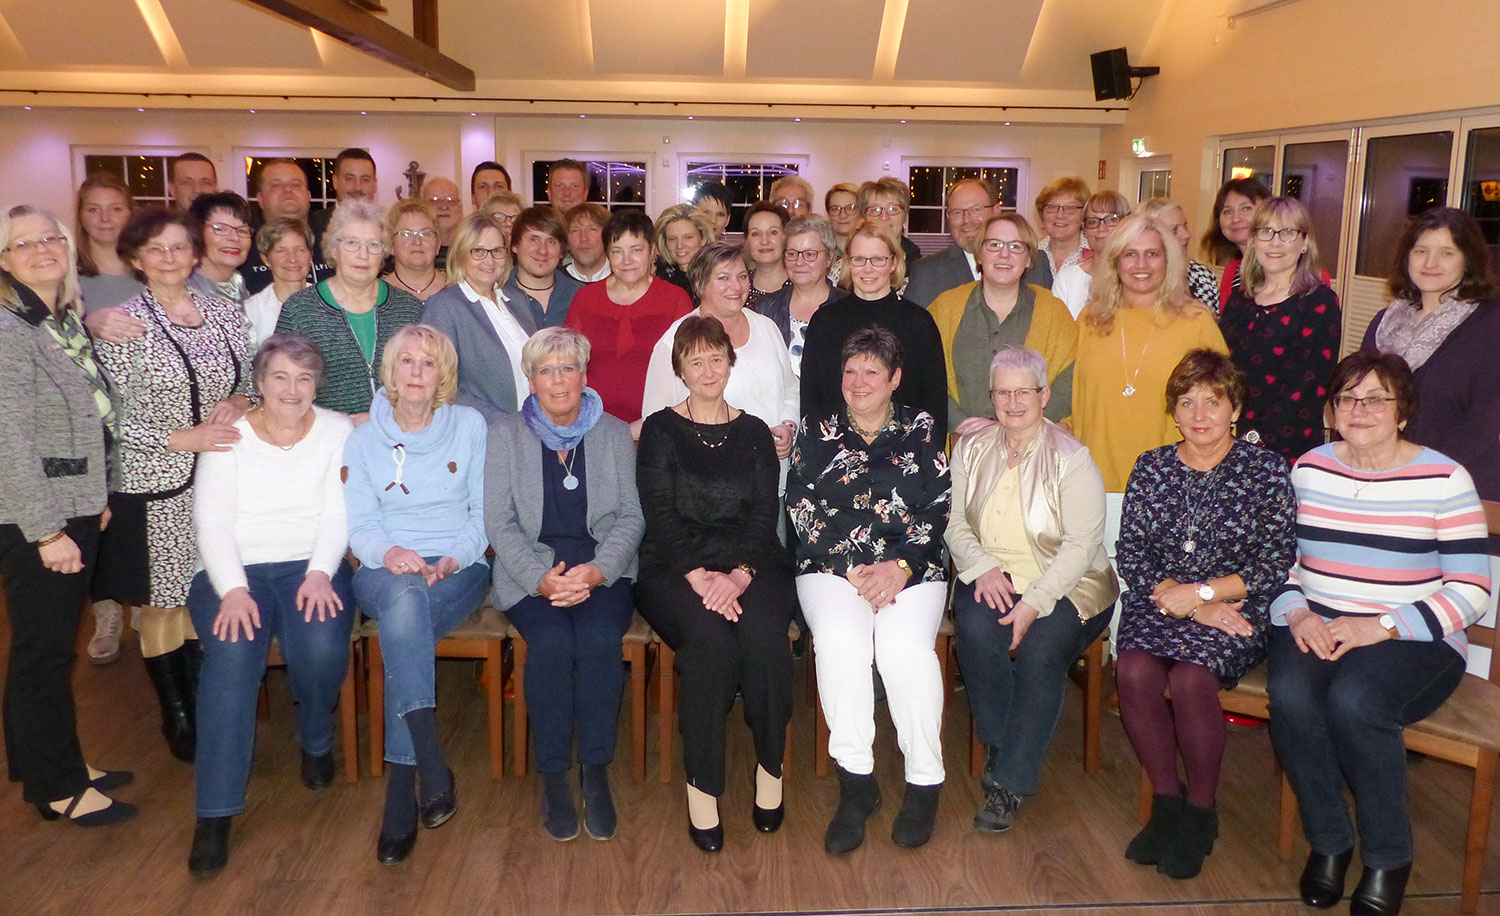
x=415, y=490
x=1027, y=536
x=269, y=514
x=1205, y=540
x=714, y=581
x=565, y=522
x=1369, y=629
x=868, y=494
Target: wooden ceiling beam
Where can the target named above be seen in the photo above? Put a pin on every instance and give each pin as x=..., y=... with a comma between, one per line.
x=359, y=29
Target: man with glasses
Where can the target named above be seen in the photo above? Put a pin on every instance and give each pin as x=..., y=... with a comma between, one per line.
x=970, y=202
x=886, y=201
x=281, y=191
x=793, y=194
x=442, y=195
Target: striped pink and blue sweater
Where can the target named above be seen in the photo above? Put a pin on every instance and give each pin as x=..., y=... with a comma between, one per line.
x=1409, y=542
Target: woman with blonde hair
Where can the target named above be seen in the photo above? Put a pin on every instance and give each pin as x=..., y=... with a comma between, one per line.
x=1059, y=213
x=411, y=227
x=680, y=232
x=841, y=203
x=1138, y=325
x=1203, y=283
x=887, y=201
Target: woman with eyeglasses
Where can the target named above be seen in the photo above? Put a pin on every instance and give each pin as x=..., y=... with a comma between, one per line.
x=1101, y=214
x=183, y=384
x=1445, y=323
x=842, y=206
x=1283, y=326
x=874, y=269
x=886, y=201
x=1368, y=632
x=352, y=314
x=474, y=313
x=765, y=250
x=286, y=246
x=977, y=320
x=412, y=227
x=680, y=233
x=504, y=206
x=1059, y=208
x=225, y=220
x=811, y=246
x=1229, y=229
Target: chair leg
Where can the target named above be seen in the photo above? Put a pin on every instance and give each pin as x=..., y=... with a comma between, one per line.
x=349, y=718
x=1286, y=812
x=666, y=708
x=1143, y=799
x=494, y=689
x=518, y=723
x=1481, y=800
x=377, y=706
x=635, y=654
x=1093, y=702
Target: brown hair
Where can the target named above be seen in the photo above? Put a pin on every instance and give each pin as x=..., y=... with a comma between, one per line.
x=1478, y=282
x=149, y=222
x=1389, y=369
x=701, y=267
x=1210, y=368
x=1216, y=246
x=542, y=218
x=699, y=333
x=95, y=181
x=877, y=343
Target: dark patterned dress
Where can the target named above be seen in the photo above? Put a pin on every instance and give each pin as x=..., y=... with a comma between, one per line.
x=1287, y=352
x=854, y=503
x=1238, y=519
x=1203, y=285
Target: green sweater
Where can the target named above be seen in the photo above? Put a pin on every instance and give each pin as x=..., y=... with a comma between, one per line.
x=349, y=382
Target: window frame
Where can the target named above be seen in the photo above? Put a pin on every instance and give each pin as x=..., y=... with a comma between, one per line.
x=530, y=158
x=1022, y=166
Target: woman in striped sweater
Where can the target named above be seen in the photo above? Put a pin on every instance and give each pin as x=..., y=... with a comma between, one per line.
x=1392, y=567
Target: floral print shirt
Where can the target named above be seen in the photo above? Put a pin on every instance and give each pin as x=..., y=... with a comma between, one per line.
x=854, y=503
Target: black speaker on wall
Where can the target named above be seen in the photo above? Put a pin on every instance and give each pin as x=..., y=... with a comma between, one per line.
x=1113, y=73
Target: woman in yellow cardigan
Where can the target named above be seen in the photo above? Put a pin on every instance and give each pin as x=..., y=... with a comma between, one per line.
x=977, y=319
x=1138, y=325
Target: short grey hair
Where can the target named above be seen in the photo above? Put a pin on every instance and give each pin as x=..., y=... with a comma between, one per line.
x=349, y=212
x=819, y=225
x=1023, y=359
x=295, y=347
x=554, y=341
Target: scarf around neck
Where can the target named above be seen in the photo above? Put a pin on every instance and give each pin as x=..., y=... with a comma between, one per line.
x=563, y=438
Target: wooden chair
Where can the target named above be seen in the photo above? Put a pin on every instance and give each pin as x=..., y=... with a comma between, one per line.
x=348, y=711
x=481, y=636
x=633, y=650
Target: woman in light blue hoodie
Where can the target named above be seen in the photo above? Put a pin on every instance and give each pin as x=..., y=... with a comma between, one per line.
x=414, y=488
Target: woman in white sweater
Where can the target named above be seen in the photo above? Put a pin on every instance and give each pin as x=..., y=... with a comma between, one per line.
x=272, y=534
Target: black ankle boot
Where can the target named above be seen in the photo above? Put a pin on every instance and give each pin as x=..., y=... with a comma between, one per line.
x=176, y=719
x=913, y=825
x=859, y=797
x=210, y=846
x=559, y=814
x=1150, y=844
x=1380, y=891
x=1322, y=883
x=1191, y=844
x=598, y=805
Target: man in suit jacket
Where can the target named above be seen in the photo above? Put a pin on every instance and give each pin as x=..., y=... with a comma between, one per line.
x=971, y=202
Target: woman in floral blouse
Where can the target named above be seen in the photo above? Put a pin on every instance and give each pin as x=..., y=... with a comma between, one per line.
x=868, y=494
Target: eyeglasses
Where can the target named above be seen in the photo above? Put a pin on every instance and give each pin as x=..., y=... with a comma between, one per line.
x=1373, y=404
x=1094, y=222
x=810, y=255
x=415, y=235
x=1014, y=394
x=878, y=260
x=1266, y=233
x=1002, y=245
x=484, y=254
x=842, y=209
x=790, y=203
x=36, y=245
x=888, y=210
x=1063, y=209
x=161, y=251
x=442, y=201
x=567, y=370
x=227, y=231
x=355, y=246
x=955, y=214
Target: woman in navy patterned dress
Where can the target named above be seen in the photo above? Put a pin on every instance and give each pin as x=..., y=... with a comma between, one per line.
x=1206, y=539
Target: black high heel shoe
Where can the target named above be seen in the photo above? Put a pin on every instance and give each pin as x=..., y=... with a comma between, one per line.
x=110, y=780
x=210, y=850
x=708, y=839
x=768, y=820
x=113, y=813
x=1322, y=883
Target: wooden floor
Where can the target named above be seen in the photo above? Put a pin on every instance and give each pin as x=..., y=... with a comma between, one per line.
x=295, y=851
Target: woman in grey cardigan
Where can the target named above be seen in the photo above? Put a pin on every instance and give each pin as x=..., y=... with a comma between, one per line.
x=53, y=486
x=565, y=522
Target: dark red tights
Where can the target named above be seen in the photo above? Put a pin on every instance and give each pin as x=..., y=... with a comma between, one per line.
x=1191, y=723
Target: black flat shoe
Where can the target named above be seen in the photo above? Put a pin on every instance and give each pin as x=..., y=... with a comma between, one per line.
x=1380, y=891
x=599, y=817
x=112, y=779
x=1322, y=883
x=317, y=770
x=393, y=848
x=210, y=850
x=114, y=813
x=436, y=810
x=710, y=839
x=768, y=820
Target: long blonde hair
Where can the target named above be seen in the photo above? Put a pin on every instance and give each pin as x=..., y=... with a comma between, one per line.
x=1107, y=294
x=69, y=294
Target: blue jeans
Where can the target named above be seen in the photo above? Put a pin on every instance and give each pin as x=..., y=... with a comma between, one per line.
x=413, y=617
x=317, y=656
x=1338, y=720
x=574, y=675
x=1016, y=703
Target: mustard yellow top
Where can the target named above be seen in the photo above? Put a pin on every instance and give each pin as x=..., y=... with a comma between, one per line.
x=1002, y=531
x=1140, y=352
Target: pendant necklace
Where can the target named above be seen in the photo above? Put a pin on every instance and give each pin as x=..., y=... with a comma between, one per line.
x=569, y=481
x=1189, y=544
x=412, y=289
x=696, y=432
x=1129, y=390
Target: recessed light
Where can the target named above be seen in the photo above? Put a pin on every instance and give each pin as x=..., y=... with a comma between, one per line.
x=473, y=114
x=1007, y=123
x=140, y=109
x=796, y=119
x=252, y=111
x=690, y=117
x=903, y=120
x=28, y=107
x=364, y=112
x=583, y=116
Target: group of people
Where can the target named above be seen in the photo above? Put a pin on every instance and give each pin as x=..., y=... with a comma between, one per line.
x=723, y=436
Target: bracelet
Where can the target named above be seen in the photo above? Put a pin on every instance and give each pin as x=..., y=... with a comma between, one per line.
x=53, y=539
x=747, y=569
x=1193, y=614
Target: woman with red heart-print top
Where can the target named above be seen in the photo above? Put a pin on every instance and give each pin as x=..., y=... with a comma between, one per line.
x=1283, y=326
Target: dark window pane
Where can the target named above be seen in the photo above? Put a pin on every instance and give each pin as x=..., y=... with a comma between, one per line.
x=1404, y=175
x=924, y=220
x=926, y=182
x=115, y=165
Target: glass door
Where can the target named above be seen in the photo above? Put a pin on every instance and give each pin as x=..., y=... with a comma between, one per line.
x=1479, y=192
x=1316, y=172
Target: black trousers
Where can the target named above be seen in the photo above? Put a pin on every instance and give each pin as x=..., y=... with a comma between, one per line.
x=41, y=734
x=716, y=658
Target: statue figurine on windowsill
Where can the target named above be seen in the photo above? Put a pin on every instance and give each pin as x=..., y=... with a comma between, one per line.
x=414, y=177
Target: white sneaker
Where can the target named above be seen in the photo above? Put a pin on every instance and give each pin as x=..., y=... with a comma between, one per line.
x=108, y=621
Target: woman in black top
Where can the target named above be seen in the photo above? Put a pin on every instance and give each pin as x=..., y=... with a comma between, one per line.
x=714, y=581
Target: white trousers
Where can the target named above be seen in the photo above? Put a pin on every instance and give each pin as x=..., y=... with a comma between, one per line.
x=847, y=635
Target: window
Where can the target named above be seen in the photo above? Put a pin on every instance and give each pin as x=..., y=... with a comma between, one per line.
x=748, y=182
x=319, y=172
x=929, y=192
x=145, y=176
x=616, y=185
x=1249, y=162
x=1155, y=183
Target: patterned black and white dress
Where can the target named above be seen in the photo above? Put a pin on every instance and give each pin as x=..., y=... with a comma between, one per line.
x=1238, y=519
x=156, y=374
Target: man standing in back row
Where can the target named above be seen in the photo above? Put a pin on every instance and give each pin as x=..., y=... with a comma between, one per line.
x=970, y=204
x=353, y=178
x=282, y=191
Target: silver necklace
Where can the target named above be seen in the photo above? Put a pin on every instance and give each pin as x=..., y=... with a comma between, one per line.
x=570, y=482
x=704, y=442
x=1129, y=390
x=1189, y=543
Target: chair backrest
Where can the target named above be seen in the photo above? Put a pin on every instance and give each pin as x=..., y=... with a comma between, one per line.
x=1483, y=659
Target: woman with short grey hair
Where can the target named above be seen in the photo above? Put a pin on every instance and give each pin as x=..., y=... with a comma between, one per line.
x=563, y=516
x=811, y=248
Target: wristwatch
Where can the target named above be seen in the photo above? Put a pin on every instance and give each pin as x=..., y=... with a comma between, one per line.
x=1205, y=591
x=905, y=567
x=1389, y=622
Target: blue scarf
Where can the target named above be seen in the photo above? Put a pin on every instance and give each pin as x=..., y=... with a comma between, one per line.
x=563, y=438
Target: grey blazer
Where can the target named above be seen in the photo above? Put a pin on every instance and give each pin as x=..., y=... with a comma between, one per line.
x=936, y=274
x=486, y=381
x=513, y=505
